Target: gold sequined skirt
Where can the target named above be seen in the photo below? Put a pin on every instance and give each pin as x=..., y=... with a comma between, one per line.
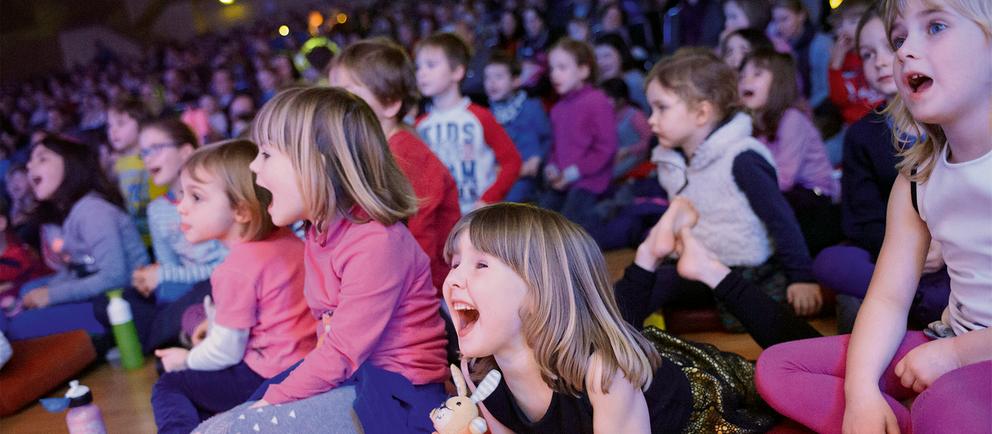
x=722, y=386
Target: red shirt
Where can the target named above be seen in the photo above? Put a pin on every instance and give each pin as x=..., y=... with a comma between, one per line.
x=18, y=264
x=438, y=195
x=849, y=90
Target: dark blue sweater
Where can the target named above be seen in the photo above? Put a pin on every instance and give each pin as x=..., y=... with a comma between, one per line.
x=869, y=171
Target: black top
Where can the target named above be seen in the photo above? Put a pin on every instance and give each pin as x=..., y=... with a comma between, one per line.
x=757, y=180
x=669, y=405
x=869, y=172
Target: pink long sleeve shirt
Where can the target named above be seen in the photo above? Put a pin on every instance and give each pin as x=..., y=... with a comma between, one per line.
x=375, y=282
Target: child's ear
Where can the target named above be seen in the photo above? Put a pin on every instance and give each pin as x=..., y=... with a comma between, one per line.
x=459, y=72
x=516, y=82
x=584, y=72
x=241, y=214
x=703, y=113
x=392, y=109
x=185, y=150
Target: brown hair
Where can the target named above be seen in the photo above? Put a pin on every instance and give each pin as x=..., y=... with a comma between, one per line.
x=758, y=12
x=504, y=58
x=583, y=54
x=697, y=75
x=871, y=13
x=921, y=155
x=782, y=94
x=228, y=160
x=339, y=153
x=179, y=132
x=796, y=6
x=569, y=311
x=384, y=68
x=455, y=49
x=130, y=106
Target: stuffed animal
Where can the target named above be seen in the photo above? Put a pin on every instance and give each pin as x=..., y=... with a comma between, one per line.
x=459, y=414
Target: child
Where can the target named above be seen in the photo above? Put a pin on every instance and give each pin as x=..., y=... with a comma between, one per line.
x=464, y=136
x=707, y=154
x=524, y=120
x=768, y=90
x=123, y=122
x=848, y=89
x=869, y=171
x=530, y=297
x=745, y=14
x=18, y=264
x=944, y=53
x=738, y=44
x=22, y=204
x=791, y=22
x=381, y=73
x=633, y=131
x=87, y=231
x=261, y=325
x=381, y=341
x=165, y=146
x=580, y=165
x=614, y=60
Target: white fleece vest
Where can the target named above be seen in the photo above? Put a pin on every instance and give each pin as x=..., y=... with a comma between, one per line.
x=727, y=224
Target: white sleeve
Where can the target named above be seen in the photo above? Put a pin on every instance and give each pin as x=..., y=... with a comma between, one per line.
x=224, y=347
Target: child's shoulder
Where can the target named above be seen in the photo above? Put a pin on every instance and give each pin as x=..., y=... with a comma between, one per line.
x=161, y=206
x=280, y=246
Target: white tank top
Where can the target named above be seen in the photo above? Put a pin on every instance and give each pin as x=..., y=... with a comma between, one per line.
x=956, y=204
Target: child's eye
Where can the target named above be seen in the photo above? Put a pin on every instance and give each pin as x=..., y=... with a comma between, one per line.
x=897, y=41
x=265, y=155
x=481, y=265
x=866, y=55
x=934, y=28
x=196, y=197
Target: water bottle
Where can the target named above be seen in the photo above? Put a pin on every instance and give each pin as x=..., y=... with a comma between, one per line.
x=126, y=336
x=84, y=416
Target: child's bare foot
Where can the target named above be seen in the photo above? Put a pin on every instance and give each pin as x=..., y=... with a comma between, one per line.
x=660, y=241
x=698, y=263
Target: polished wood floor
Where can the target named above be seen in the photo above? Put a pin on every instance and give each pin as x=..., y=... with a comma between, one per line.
x=123, y=396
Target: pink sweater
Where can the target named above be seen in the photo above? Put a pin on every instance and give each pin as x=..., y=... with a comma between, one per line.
x=375, y=281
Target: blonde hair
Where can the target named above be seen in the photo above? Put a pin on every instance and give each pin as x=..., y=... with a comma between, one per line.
x=920, y=157
x=569, y=312
x=338, y=149
x=228, y=161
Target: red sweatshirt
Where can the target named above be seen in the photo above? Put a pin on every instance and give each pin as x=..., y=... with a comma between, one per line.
x=849, y=90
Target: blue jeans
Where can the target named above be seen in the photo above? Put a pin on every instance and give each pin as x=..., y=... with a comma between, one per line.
x=54, y=319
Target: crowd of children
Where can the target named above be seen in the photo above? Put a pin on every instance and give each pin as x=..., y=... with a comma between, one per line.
x=438, y=186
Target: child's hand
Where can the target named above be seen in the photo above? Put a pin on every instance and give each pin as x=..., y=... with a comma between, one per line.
x=551, y=173
x=37, y=298
x=260, y=403
x=869, y=414
x=839, y=50
x=698, y=263
x=530, y=167
x=805, y=298
x=173, y=359
x=935, y=258
x=660, y=241
x=145, y=279
x=926, y=363
x=200, y=332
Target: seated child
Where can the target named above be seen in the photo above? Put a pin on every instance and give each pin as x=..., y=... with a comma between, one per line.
x=464, y=136
x=18, y=264
x=380, y=352
x=849, y=90
x=524, y=120
x=633, y=131
x=381, y=73
x=262, y=324
x=93, y=243
x=768, y=89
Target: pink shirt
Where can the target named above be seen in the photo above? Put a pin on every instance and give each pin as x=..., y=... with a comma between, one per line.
x=375, y=281
x=259, y=286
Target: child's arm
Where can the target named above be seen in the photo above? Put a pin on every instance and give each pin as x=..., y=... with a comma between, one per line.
x=371, y=287
x=101, y=233
x=224, y=347
x=622, y=408
x=505, y=152
x=881, y=322
x=795, y=136
x=819, y=63
x=540, y=125
x=862, y=199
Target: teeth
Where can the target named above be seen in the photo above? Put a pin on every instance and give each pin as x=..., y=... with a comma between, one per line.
x=462, y=306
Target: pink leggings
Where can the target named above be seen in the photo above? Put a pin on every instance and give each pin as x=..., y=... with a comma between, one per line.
x=804, y=380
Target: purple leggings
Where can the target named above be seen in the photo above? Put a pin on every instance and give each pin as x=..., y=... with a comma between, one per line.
x=804, y=380
x=848, y=269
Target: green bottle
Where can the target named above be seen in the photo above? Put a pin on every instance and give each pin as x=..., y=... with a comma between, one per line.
x=125, y=334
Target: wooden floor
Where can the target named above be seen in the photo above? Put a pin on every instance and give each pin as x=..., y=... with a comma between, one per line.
x=123, y=396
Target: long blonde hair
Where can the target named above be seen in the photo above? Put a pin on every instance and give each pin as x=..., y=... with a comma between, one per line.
x=570, y=311
x=922, y=155
x=339, y=151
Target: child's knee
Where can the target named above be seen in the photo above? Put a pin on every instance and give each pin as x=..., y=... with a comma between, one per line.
x=941, y=407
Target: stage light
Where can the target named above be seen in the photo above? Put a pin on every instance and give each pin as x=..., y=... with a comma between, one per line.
x=283, y=30
x=342, y=18
x=226, y=2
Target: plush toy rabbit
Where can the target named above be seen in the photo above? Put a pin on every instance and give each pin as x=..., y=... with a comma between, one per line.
x=459, y=414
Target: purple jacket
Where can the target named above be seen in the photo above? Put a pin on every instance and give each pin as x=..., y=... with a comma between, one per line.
x=585, y=136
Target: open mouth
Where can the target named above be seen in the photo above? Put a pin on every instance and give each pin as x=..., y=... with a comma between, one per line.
x=919, y=82
x=747, y=93
x=467, y=317
x=35, y=180
x=154, y=171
